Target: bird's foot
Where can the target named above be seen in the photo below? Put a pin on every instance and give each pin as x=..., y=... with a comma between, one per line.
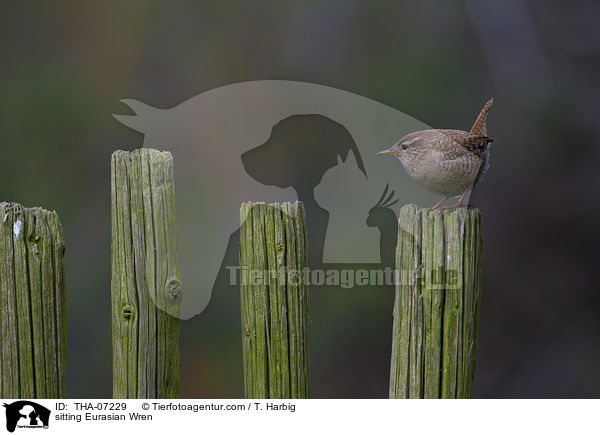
x=460, y=203
x=449, y=207
x=443, y=200
x=455, y=206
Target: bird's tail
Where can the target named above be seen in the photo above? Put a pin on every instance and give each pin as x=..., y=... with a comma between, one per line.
x=480, y=123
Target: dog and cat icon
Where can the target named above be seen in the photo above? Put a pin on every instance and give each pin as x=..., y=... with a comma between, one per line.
x=26, y=414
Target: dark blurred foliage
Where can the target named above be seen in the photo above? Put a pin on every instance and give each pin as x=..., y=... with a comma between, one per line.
x=64, y=67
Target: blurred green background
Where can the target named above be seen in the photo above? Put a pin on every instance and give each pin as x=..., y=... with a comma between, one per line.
x=65, y=66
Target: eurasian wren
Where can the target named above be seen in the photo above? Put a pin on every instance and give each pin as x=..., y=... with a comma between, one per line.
x=447, y=162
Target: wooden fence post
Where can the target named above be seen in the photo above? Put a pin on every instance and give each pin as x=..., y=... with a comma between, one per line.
x=274, y=300
x=32, y=303
x=434, y=340
x=146, y=285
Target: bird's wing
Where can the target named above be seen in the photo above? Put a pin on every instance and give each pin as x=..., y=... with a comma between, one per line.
x=467, y=146
x=474, y=143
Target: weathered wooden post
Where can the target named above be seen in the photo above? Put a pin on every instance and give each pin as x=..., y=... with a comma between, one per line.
x=32, y=303
x=146, y=286
x=434, y=340
x=274, y=300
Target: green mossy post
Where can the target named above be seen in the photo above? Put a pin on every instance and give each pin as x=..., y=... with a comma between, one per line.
x=32, y=303
x=146, y=283
x=274, y=300
x=434, y=340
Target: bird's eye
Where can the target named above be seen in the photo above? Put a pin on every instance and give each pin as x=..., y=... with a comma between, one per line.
x=404, y=146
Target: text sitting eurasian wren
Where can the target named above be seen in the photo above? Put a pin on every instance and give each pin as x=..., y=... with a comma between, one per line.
x=447, y=162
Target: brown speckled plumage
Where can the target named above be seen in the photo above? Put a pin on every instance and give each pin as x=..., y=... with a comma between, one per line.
x=447, y=162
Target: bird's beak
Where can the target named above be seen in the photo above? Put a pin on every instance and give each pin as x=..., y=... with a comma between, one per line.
x=388, y=151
